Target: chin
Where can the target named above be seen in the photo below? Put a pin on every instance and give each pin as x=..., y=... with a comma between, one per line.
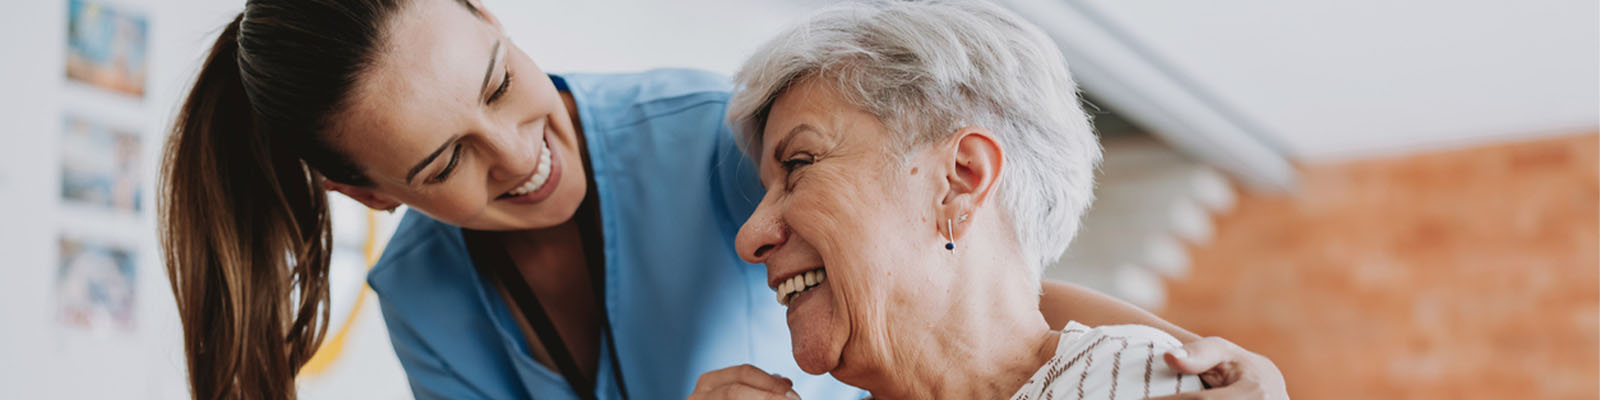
x=545, y=215
x=816, y=364
x=819, y=354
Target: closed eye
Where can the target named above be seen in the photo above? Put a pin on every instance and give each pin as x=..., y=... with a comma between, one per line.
x=455, y=156
x=793, y=163
x=504, y=84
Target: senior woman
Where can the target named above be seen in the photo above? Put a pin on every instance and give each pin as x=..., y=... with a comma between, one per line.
x=923, y=163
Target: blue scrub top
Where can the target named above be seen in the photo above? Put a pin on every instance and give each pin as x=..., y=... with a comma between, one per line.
x=674, y=190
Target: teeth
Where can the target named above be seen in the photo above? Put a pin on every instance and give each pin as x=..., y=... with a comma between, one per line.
x=541, y=175
x=799, y=284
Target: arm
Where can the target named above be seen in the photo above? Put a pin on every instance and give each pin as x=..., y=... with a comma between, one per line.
x=1229, y=370
x=1064, y=302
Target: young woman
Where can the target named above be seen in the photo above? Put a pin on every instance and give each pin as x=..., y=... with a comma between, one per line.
x=571, y=236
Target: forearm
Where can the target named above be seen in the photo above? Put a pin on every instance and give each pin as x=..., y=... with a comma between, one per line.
x=1064, y=302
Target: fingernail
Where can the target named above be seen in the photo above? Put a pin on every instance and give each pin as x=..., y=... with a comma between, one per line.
x=1179, y=353
x=792, y=395
x=781, y=378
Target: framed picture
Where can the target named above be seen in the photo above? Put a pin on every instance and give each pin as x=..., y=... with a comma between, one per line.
x=106, y=46
x=95, y=286
x=100, y=166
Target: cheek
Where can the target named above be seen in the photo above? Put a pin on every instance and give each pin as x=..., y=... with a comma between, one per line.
x=833, y=210
x=453, y=204
x=574, y=179
x=859, y=229
x=863, y=209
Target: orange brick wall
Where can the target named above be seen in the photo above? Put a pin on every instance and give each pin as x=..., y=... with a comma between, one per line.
x=1465, y=274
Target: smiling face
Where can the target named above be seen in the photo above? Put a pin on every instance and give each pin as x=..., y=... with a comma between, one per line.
x=840, y=201
x=455, y=121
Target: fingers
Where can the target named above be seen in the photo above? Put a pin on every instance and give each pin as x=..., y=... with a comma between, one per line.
x=743, y=382
x=1224, y=374
x=1230, y=370
x=748, y=375
x=742, y=392
x=1204, y=354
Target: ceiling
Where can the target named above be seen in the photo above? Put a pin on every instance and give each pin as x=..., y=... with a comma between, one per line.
x=1359, y=78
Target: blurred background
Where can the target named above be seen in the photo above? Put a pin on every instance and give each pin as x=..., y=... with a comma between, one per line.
x=1388, y=199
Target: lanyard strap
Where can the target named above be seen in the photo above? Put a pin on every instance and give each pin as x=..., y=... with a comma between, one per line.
x=594, y=254
x=490, y=255
x=491, y=258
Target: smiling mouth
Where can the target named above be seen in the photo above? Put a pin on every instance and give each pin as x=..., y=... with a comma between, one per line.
x=800, y=283
x=541, y=175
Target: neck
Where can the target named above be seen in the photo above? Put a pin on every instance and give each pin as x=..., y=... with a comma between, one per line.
x=549, y=258
x=986, y=345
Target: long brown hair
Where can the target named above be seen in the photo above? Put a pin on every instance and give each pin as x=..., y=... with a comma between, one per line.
x=244, y=220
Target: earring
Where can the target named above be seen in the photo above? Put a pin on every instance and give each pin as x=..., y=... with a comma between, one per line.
x=950, y=245
x=949, y=227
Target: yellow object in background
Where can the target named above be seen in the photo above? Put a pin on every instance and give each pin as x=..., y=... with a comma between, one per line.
x=334, y=346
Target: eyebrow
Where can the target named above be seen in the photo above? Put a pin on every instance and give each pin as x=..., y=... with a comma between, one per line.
x=429, y=159
x=783, y=144
x=488, y=73
x=494, y=56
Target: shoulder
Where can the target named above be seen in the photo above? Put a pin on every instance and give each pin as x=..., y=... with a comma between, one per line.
x=1079, y=334
x=420, y=245
x=628, y=98
x=1109, y=362
x=664, y=83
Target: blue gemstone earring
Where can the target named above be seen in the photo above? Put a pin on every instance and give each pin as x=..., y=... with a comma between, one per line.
x=948, y=228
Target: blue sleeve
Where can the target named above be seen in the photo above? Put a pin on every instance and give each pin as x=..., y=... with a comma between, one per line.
x=429, y=376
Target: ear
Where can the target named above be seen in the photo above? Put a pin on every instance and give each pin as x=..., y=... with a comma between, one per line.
x=371, y=198
x=975, y=166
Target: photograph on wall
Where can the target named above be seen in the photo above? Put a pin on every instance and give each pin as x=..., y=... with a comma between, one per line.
x=100, y=166
x=95, y=286
x=106, y=46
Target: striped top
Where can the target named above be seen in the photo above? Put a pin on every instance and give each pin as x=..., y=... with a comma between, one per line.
x=1108, y=362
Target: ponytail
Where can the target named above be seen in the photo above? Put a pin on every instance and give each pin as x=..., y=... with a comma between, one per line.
x=246, y=240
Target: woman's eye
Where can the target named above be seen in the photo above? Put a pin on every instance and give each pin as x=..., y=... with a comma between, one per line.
x=455, y=155
x=504, y=84
x=799, y=160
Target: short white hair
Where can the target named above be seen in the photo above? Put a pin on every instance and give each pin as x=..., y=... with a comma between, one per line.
x=927, y=69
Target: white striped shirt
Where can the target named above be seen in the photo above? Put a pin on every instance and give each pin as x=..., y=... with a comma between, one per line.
x=1108, y=362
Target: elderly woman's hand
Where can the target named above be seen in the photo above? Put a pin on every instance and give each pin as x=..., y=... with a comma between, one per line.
x=743, y=382
x=1231, y=371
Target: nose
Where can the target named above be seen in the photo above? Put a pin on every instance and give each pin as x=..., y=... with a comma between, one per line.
x=762, y=234
x=513, y=150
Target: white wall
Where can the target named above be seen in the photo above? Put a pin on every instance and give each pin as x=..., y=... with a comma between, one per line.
x=615, y=36
x=41, y=359
x=1360, y=78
